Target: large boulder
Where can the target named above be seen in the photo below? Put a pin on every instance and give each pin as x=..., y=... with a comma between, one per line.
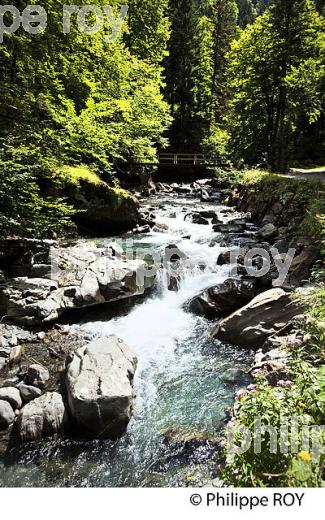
x=224, y=298
x=232, y=294
x=202, y=307
x=43, y=417
x=28, y=393
x=251, y=325
x=268, y=231
x=82, y=275
x=104, y=210
x=99, y=387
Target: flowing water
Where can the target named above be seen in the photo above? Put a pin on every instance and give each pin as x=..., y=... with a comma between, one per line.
x=178, y=383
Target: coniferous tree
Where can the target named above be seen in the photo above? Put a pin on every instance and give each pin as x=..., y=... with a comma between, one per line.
x=201, y=35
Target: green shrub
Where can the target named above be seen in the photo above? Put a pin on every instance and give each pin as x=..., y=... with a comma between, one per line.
x=24, y=210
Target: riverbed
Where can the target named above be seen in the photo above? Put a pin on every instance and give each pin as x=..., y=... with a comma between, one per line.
x=179, y=384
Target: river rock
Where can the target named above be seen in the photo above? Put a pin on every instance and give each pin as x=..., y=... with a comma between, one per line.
x=29, y=393
x=201, y=307
x=161, y=228
x=82, y=275
x=12, y=396
x=183, y=190
x=301, y=265
x=223, y=298
x=251, y=325
x=228, y=228
x=43, y=417
x=99, y=387
x=210, y=215
x=268, y=231
x=173, y=282
x=205, y=196
x=187, y=437
x=234, y=375
x=105, y=210
x=198, y=219
x=11, y=381
x=7, y=415
x=37, y=376
x=16, y=354
x=174, y=254
x=142, y=230
x=5, y=351
x=231, y=294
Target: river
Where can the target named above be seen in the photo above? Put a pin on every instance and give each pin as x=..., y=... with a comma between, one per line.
x=178, y=384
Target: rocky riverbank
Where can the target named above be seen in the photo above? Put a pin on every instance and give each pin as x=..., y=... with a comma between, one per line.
x=75, y=384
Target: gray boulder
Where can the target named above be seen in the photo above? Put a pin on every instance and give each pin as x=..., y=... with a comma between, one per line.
x=201, y=307
x=37, y=375
x=302, y=264
x=229, y=228
x=251, y=325
x=99, y=387
x=196, y=218
x=173, y=282
x=43, y=417
x=12, y=396
x=82, y=275
x=29, y=393
x=224, y=298
x=7, y=415
x=268, y=231
x=232, y=294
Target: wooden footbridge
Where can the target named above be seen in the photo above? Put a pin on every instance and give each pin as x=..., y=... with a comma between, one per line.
x=181, y=159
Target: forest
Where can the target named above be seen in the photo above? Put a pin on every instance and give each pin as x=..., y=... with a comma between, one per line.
x=241, y=81
x=151, y=311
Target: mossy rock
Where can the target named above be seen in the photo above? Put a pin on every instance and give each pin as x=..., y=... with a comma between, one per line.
x=102, y=209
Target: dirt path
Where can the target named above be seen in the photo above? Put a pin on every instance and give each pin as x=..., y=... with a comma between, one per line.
x=317, y=174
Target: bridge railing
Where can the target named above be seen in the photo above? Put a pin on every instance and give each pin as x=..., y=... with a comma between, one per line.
x=191, y=159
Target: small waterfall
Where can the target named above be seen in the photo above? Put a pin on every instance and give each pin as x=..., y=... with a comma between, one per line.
x=155, y=327
x=178, y=383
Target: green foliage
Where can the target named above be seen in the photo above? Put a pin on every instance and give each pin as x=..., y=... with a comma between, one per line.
x=246, y=13
x=303, y=193
x=196, y=69
x=303, y=401
x=304, y=398
x=76, y=99
x=80, y=98
x=215, y=146
x=75, y=174
x=148, y=30
x=275, y=406
x=24, y=210
x=276, y=78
